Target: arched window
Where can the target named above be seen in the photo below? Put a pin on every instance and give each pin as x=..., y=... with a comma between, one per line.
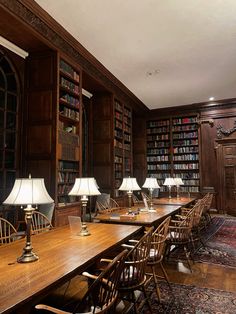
x=9, y=98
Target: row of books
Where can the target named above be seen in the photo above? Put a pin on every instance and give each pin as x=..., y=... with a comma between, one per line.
x=70, y=113
x=66, y=177
x=152, y=124
x=158, y=151
x=185, y=135
x=70, y=100
x=64, y=188
x=185, y=142
x=118, y=133
x=181, y=150
x=186, y=157
x=188, y=166
x=127, y=112
x=66, y=68
x=118, y=115
x=184, y=120
x=188, y=127
x=127, y=137
x=127, y=146
x=189, y=175
x=118, y=159
x=158, y=137
x=118, y=143
x=127, y=120
x=118, y=167
x=69, y=85
x=118, y=124
x=158, y=130
x=158, y=144
x=118, y=106
x=159, y=167
x=158, y=158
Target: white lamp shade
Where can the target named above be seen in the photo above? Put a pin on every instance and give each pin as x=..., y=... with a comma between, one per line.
x=178, y=181
x=169, y=182
x=151, y=183
x=28, y=191
x=85, y=186
x=129, y=184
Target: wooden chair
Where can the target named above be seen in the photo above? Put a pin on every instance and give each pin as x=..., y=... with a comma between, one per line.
x=207, y=206
x=157, y=251
x=109, y=206
x=179, y=236
x=135, y=199
x=101, y=294
x=133, y=277
x=8, y=232
x=40, y=223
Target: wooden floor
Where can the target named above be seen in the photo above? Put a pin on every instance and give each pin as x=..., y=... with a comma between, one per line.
x=203, y=275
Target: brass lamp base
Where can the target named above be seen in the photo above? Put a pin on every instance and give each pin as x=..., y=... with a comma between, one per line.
x=84, y=230
x=27, y=257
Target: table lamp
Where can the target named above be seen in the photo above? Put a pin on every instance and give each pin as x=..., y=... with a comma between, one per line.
x=169, y=182
x=84, y=187
x=129, y=185
x=178, y=182
x=151, y=184
x=28, y=191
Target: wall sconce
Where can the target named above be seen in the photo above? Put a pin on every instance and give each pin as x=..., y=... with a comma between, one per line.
x=84, y=187
x=151, y=184
x=178, y=183
x=28, y=192
x=169, y=182
x=129, y=185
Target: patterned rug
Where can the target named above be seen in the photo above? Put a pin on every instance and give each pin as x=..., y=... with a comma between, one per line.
x=220, y=239
x=220, y=243
x=186, y=299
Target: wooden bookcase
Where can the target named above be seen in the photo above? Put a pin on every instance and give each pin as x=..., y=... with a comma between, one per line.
x=68, y=162
x=159, y=149
x=173, y=150
x=53, y=128
x=112, y=142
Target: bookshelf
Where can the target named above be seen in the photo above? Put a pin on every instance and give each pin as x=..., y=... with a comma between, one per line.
x=173, y=150
x=159, y=150
x=68, y=163
x=186, y=152
x=122, y=144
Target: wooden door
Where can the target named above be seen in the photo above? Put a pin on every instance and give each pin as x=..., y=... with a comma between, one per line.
x=226, y=170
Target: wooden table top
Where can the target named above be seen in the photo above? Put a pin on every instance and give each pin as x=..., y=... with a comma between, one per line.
x=183, y=201
x=61, y=256
x=142, y=219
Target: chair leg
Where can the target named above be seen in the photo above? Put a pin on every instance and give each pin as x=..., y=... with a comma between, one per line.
x=156, y=283
x=187, y=256
x=147, y=298
x=165, y=275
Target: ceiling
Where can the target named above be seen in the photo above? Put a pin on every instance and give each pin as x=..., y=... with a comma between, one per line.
x=167, y=52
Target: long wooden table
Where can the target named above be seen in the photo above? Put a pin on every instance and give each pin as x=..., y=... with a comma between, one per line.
x=183, y=201
x=61, y=256
x=146, y=219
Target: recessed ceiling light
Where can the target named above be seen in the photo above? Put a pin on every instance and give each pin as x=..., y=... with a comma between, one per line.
x=211, y=98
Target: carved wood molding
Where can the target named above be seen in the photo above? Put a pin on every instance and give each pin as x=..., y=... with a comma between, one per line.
x=226, y=132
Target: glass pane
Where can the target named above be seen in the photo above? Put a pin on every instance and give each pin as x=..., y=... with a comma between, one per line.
x=5, y=66
x=10, y=160
x=10, y=140
x=1, y=119
x=10, y=179
x=11, y=102
x=2, y=99
x=2, y=80
x=1, y=140
x=11, y=121
x=11, y=82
